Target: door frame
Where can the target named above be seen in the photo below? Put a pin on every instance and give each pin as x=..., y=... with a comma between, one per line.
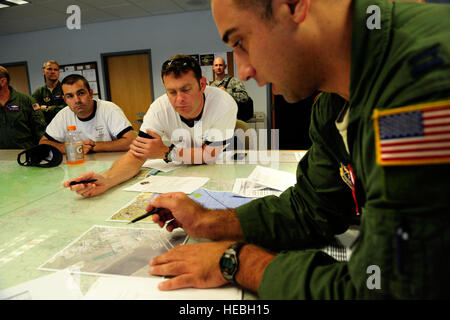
x=104, y=57
x=20, y=63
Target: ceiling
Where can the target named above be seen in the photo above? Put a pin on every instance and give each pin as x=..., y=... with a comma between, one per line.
x=46, y=14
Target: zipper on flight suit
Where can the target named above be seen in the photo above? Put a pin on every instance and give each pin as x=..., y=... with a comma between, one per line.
x=401, y=236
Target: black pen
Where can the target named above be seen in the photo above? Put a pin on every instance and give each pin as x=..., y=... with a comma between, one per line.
x=153, y=211
x=72, y=183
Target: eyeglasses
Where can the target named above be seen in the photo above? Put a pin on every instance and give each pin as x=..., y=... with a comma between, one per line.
x=178, y=62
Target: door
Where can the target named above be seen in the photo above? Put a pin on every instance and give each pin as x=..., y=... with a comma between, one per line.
x=18, y=74
x=128, y=83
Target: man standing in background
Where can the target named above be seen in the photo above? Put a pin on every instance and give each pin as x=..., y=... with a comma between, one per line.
x=50, y=95
x=234, y=87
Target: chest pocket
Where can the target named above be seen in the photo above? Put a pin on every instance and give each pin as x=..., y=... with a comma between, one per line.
x=15, y=119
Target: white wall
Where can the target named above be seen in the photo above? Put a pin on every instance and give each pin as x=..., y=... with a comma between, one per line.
x=164, y=35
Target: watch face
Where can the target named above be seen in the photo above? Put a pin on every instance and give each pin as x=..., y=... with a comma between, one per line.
x=228, y=265
x=172, y=154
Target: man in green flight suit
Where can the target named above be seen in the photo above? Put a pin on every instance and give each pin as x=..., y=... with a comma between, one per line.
x=379, y=156
x=50, y=96
x=22, y=123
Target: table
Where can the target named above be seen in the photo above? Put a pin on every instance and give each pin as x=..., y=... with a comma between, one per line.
x=38, y=217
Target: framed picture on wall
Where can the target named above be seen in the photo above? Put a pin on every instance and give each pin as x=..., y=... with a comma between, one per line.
x=88, y=70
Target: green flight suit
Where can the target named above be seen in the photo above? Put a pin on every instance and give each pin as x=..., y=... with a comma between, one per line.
x=52, y=99
x=405, y=209
x=22, y=123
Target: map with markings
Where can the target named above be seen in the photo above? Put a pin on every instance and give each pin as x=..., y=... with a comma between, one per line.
x=115, y=251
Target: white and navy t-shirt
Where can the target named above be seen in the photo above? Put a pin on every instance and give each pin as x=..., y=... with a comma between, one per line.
x=215, y=123
x=106, y=123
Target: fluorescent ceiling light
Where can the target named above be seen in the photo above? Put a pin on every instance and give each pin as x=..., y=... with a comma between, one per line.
x=18, y=1
x=3, y=6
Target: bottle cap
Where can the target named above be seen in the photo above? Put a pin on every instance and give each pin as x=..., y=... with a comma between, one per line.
x=71, y=127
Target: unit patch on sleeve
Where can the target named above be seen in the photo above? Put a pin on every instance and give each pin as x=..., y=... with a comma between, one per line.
x=413, y=135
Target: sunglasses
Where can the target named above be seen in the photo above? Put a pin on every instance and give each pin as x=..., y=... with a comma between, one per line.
x=177, y=63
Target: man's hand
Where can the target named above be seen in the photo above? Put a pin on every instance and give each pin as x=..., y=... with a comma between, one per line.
x=181, y=211
x=43, y=107
x=192, y=265
x=144, y=148
x=88, y=145
x=88, y=189
x=197, y=221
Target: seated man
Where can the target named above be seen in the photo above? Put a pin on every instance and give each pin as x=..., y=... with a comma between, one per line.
x=50, y=95
x=380, y=156
x=22, y=123
x=197, y=120
x=101, y=124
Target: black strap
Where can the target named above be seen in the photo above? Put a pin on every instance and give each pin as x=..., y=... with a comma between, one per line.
x=227, y=82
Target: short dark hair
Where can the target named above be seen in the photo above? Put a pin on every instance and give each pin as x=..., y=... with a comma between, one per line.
x=263, y=7
x=179, y=64
x=72, y=78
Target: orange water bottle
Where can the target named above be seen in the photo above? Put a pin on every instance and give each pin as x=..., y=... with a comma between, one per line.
x=74, y=146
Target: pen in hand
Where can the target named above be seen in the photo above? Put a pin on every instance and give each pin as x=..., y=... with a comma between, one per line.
x=153, y=211
x=72, y=183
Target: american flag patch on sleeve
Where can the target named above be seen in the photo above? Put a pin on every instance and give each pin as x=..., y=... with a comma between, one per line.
x=413, y=135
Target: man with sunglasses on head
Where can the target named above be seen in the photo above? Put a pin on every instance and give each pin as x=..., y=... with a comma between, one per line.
x=101, y=124
x=189, y=124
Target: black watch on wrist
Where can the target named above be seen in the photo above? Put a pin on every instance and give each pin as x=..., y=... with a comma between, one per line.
x=229, y=262
x=170, y=154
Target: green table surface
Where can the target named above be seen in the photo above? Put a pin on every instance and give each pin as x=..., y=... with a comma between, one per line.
x=38, y=217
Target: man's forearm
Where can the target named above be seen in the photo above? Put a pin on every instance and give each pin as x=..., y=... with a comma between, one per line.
x=111, y=146
x=221, y=225
x=123, y=169
x=121, y=144
x=253, y=261
x=198, y=155
x=59, y=146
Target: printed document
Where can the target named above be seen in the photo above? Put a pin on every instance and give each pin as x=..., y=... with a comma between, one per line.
x=163, y=184
x=246, y=188
x=272, y=178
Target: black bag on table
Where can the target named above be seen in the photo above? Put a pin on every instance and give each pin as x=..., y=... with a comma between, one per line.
x=42, y=155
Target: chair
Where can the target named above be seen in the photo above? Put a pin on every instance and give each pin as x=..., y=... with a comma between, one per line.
x=244, y=127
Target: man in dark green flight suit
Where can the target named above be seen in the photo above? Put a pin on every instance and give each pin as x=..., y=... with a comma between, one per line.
x=50, y=96
x=22, y=123
x=380, y=156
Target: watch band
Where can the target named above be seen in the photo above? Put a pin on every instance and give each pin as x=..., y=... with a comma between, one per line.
x=229, y=262
x=166, y=157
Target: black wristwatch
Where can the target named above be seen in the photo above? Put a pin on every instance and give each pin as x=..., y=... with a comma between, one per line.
x=170, y=154
x=229, y=262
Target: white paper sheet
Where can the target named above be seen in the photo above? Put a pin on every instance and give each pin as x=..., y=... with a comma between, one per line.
x=299, y=155
x=120, y=288
x=161, y=165
x=249, y=189
x=163, y=184
x=61, y=285
x=272, y=178
x=89, y=75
